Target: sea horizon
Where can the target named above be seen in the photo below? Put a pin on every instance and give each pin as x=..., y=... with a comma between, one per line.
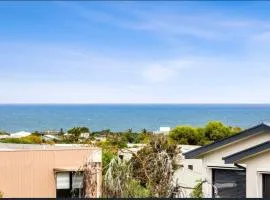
x=123, y=116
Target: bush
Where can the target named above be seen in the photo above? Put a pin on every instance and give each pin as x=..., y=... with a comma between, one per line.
x=216, y=131
x=31, y=139
x=197, y=191
x=213, y=131
x=185, y=135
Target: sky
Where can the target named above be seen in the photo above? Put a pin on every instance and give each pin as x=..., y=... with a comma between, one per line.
x=134, y=52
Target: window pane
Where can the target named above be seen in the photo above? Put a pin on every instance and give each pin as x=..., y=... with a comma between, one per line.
x=62, y=180
x=77, y=180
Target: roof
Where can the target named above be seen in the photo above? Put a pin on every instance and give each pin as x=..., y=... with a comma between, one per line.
x=28, y=147
x=241, y=135
x=164, y=128
x=20, y=134
x=185, y=148
x=247, y=153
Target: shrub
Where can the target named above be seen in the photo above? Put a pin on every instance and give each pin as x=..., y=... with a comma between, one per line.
x=31, y=139
x=197, y=191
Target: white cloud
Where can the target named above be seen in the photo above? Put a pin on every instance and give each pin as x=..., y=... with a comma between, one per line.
x=165, y=70
x=157, y=73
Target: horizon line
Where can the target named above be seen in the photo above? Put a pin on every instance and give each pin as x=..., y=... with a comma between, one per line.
x=148, y=103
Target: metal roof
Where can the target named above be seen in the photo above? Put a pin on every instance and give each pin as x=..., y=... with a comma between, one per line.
x=241, y=135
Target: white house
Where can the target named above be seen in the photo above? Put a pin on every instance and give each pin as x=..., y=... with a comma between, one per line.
x=19, y=134
x=163, y=130
x=190, y=172
x=237, y=166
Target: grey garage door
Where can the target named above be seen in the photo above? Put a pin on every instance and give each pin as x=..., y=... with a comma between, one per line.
x=266, y=185
x=229, y=183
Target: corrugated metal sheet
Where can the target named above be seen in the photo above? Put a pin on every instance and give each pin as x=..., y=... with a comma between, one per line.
x=30, y=173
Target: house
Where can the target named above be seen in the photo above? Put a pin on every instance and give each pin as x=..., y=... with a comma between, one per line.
x=163, y=130
x=237, y=166
x=127, y=153
x=19, y=134
x=190, y=172
x=84, y=135
x=46, y=170
x=50, y=137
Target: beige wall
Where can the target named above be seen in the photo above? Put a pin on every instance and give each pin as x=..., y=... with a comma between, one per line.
x=30, y=173
x=256, y=166
x=214, y=158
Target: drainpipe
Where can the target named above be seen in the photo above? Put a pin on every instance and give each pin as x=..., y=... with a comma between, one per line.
x=239, y=166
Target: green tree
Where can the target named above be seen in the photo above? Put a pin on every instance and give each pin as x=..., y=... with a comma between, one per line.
x=75, y=132
x=155, y=164
x=186, y=135
x=215, y=130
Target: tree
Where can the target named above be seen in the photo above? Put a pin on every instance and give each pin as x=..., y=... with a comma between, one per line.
x=118, y=182
x=143, y=137
x=215, y=130
x=61, y=132
x=155, y=164
x=186, y=135
x=74, y=133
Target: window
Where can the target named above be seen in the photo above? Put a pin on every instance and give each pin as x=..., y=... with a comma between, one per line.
x=190, y=167
x=69, y=184
x=229, y=183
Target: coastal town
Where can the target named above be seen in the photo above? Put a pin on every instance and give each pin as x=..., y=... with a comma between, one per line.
x=162, y=163
x=134, y=99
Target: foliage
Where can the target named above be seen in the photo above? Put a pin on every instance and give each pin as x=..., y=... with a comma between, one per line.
x=185, y=135
x=115, y=140
x=213, y=131
x=1, y=194
x=144, y=137
x=61, y=132
x=107, y=156
x=31, y=139
x=197, y=191
x=118, y=182
x=154, y=165
x=3, y=133
x=74, y=134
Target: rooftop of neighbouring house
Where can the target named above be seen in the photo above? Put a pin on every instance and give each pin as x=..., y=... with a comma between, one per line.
x=19, y=147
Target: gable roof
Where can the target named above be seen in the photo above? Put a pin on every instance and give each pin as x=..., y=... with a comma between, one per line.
x=241, y=135
x=247, y=152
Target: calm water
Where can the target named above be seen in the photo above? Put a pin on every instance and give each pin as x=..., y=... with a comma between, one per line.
x=121, y=117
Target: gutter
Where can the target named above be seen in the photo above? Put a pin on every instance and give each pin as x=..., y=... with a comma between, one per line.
x=239, y=166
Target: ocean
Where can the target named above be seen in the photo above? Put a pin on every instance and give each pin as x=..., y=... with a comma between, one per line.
x=120, y=117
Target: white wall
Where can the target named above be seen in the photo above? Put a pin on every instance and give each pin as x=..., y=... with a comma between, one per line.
x=256, y=165
x=186, y=177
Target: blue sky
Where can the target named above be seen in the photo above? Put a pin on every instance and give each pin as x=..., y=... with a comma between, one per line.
x=134, y=52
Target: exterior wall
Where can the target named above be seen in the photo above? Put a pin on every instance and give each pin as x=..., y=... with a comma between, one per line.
x=214, y=158
x=256, y=166
x=30, y=173
x=188, y=178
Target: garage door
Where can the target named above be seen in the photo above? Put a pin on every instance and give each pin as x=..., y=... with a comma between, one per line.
x=229, y=183
x=266, y=185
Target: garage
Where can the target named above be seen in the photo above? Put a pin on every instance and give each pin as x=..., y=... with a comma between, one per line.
x=229, y=183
